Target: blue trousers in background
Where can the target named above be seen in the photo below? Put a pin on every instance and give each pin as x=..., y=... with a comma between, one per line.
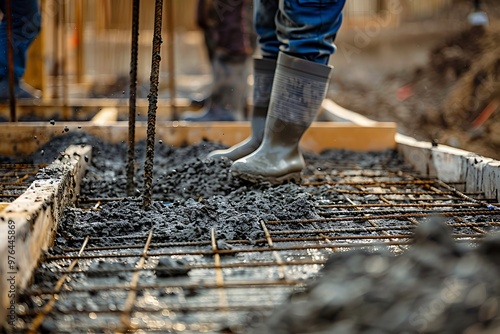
x=26, y=23
x=301, y=28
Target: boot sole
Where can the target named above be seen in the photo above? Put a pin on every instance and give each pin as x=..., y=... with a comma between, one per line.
x=273, y=180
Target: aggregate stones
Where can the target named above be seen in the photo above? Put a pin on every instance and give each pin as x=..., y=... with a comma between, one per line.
x=169, y=267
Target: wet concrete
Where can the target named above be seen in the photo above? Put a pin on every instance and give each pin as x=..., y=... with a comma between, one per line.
x=193, y=195
x=170, y=267
x=235, y=217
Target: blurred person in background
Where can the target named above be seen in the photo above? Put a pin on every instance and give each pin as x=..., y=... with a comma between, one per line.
x=26, y=24
x=227, y=38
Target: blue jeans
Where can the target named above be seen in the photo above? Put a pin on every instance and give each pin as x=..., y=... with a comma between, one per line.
x=301, y=28
x=26, y=23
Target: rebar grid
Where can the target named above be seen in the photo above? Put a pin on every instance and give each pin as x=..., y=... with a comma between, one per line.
x=15, y=179
x=228, y=289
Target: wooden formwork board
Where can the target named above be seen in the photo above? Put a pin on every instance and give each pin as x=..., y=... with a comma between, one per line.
x=28, y=225
x=17, y=139
x=85, y=109
x=471, y=172
x=3, y=206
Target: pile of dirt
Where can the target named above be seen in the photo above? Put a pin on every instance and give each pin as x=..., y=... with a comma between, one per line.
x=437, y=286
x=478, y=84
x=453, y=100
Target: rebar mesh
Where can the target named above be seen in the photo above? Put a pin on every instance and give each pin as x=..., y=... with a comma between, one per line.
x=116, y=288
x=15, y=179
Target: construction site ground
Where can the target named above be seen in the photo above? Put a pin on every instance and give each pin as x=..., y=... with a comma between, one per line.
x=219, y=255
x=438, y=79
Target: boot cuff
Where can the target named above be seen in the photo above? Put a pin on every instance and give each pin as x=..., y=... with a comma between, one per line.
x=264, y=64
x=306, y=66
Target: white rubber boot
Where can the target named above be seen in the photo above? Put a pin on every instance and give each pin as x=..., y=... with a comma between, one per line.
x=228, y=97
x=263, y=83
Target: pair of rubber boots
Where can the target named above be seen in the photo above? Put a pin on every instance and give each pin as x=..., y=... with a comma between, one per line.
x=287, y=97
x=227, y=100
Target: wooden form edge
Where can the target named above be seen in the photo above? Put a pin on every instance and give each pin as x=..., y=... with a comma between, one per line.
x=18, y=139
x=470, y=172
x=86, y=108
x=31, y=222
x=105, y=116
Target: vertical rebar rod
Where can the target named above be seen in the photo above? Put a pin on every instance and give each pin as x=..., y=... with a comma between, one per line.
x=171, y=58
x=153, y=105
x=79, y=45
x=64, y=45
x=10, y=55
x=132, y=98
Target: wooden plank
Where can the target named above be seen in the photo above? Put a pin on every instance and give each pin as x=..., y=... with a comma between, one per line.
x=31, y=222
x=85, y=109
x=105, y=116
x=3, y=206
x=474, y=173
x=327, y=135
x=334, y=113
x=19, y=139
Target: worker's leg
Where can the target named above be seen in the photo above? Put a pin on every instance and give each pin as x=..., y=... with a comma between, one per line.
x=265, y=12
x=26, y=23
x=306, y=29
x=230, y=59
x=205, y=21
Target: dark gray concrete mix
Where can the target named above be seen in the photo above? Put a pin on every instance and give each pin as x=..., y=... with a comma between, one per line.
x=193, y=194
x=434, y=287
x=235, y=218
x=357, y=292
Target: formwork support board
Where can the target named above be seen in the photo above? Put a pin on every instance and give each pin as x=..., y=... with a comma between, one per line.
x=24, y=138
x=85, y=109
x=472, y=172
x=28, y=225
